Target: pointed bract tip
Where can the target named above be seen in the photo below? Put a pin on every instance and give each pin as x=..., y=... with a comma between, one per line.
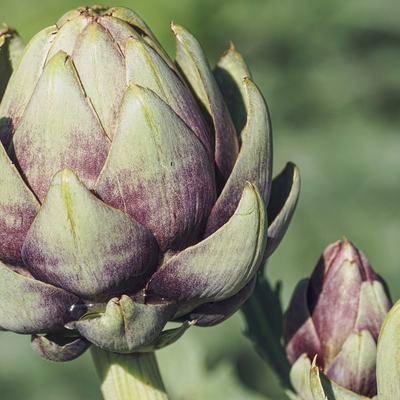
x=314, y=361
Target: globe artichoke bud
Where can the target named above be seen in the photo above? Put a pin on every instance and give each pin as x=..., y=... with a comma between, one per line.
x=336, y=314
x=128, y=196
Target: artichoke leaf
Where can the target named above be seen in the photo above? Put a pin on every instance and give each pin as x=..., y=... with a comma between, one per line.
x=219, y=266
x=119, y=30
x=354, y=366
x=193, y=63
x=300, y=377
x=167, y=337
x=85, y=246
x=67, y=135
x=66, y=36
x=334, y=328
x=126, y=326
x=373, y=307
x=299, y=330
x=18, y=208
x=254, y=162
x=388, y=356
x=59, y=348
x=210, y=314
x=69, y=16
x=147, y=69
x=22, y=83
x=285, y=190
x=11, y=48
x=158, y=171
x=323, y=388
x=101, y=69
x=15, y=47
x=130, y=17
x=31, y=306
x=229, y=73
x=317, y=389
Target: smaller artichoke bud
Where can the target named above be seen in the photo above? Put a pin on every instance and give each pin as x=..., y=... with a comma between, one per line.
x=337, y=314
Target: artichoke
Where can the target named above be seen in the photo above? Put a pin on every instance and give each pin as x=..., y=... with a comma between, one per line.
x=337, y=314
x=134, y=190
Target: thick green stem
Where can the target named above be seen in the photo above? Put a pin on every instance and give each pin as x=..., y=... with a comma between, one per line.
x=128, y=376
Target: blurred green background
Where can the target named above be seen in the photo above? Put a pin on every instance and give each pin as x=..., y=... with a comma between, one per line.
x=329, y=71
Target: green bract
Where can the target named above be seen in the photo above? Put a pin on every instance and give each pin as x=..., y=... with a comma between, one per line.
x=133, y=190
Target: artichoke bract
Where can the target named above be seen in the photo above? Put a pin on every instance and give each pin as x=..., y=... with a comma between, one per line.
x=134, y=190
x=337, y=314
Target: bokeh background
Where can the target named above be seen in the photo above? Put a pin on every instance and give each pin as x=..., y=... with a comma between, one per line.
x=329, y=71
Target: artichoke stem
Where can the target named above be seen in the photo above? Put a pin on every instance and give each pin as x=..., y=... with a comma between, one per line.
x=128, y=376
